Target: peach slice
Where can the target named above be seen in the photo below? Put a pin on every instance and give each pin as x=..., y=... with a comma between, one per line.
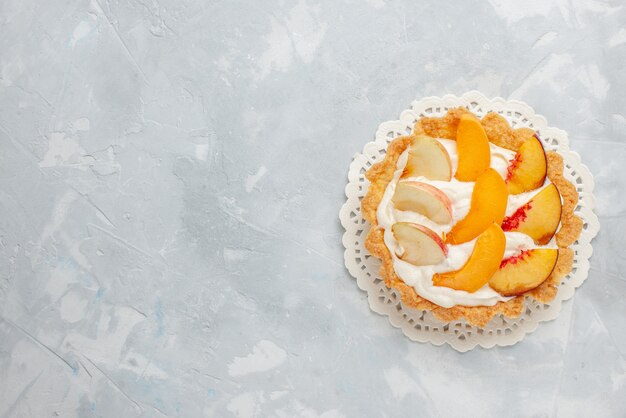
x=488, y=205
x=425, y=199
x=428, y=158
x=481, y=265
x=528, y=169
x=524, y=272
x=422, y=246
x=472, y=147
x=539, y=217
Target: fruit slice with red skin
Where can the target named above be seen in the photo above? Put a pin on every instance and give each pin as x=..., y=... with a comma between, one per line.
x=425, y=199
x=422, y=246
x=428, y=158
x=539, y=217
x=524, y=272
x=481, y=265
x=528, y=169
x=488, y=205
x=472, y=146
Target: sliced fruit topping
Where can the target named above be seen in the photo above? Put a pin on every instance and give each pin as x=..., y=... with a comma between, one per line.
x=488, y=205
x=528, y=169
x=425, y=199
x=472, y=147
x=524, y=272
x=428, y=158
x=539, y=217
x=422, y=246
x=481, y=265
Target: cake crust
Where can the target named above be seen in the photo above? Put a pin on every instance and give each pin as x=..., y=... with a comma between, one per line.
x=499, y=133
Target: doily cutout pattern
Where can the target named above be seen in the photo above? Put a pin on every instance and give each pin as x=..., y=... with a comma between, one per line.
x=422, y=326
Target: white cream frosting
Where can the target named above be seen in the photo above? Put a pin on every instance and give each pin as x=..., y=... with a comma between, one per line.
x=460, y=193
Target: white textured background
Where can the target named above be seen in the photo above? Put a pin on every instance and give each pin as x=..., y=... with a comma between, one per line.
x=170, y=178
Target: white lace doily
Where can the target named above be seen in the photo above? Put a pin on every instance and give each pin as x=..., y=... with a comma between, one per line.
x=422, y=326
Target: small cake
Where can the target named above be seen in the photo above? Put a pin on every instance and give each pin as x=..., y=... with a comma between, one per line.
x=469, y=216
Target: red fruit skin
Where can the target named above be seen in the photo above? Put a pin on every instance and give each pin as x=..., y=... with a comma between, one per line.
x=512, y=167
x=515, y=259
x=511, y=222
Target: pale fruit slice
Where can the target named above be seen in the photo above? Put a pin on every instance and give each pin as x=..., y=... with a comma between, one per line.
x=482, y=264
x=524, y=272
x=425, y=199
x=422, y=246
x=528, y=169
x=488, y=205
x=472, y=147
x=428, y=158
x=539, y=217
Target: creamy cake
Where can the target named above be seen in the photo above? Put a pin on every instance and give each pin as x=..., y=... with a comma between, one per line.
x=470, y=216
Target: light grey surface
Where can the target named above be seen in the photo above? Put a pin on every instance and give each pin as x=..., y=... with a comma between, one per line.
x=170, y=178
